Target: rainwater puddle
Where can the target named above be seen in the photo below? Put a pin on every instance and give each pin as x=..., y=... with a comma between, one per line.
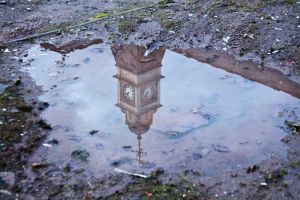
x=3, y=88
x=139, y=112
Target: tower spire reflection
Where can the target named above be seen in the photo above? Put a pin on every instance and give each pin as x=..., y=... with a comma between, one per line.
x=138, y=87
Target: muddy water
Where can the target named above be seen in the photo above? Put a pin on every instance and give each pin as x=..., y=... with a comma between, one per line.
x=196, y=117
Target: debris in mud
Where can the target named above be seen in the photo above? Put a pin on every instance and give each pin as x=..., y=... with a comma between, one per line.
x=128, y=173
x=221, y=148
x=275, y=175
x=53, y=141
x=127, y=147
x=294, y=126
x=18, y=82
x=47, y=145
x=43, y=124
x=24, y=108
x=39, y=164
x=196, y=156
x=121, y=161
x=80, y=154
x=263, y=184
x=252, y=169
x=93, y=132
x=43, y=105
x=196, y=110
x=2, y=47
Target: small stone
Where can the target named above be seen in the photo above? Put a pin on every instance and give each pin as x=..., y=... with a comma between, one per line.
x=205, y=152
x=221, y=148
x=99, y=146
x=86, y=60
x=195, y=110
x=2, y=47
x=263, y=184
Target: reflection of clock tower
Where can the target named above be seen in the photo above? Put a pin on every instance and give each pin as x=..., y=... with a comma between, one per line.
x=138, y=86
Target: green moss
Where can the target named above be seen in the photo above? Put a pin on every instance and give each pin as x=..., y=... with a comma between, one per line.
x=168, y=24
x=242, y=53
x=51, y=27
x=274, y=176
x=68, y=187
x=4, y=95
x=101, y=15
x=126, y=26
x=294, y=164
x=266, y=16
x=151, y=188
x=292, y=2
x=165, y=2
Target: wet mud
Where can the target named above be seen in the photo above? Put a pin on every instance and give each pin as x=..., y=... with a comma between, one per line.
x=200, y=97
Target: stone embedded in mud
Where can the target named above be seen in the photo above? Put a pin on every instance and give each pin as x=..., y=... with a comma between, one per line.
x=99, y=146
x=221, y=148
x=204, y=152
x=44, y=125
x=80, y=154
x=196, y=156
x=86, y=60
x=43, y=105
x=121, y=161
x=294, y=126
x=148, y=165
x=2, y=47
x=53, y=141
x=25, y=108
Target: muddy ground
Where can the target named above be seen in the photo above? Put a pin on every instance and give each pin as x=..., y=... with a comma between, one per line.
x=266, y=32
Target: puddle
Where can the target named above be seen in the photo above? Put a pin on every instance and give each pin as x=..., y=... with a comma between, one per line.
x=123, y=109
x=3, y=87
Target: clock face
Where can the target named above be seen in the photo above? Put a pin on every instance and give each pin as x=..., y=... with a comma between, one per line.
x=148, y=92
x=128, y=91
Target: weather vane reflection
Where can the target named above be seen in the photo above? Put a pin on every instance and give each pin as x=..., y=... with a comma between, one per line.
x=138, y=87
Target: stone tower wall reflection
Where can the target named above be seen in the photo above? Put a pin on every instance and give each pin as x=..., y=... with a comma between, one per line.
x=138, y=87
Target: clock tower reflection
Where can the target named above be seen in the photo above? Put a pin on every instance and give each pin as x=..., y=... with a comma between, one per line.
x=138, y=87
